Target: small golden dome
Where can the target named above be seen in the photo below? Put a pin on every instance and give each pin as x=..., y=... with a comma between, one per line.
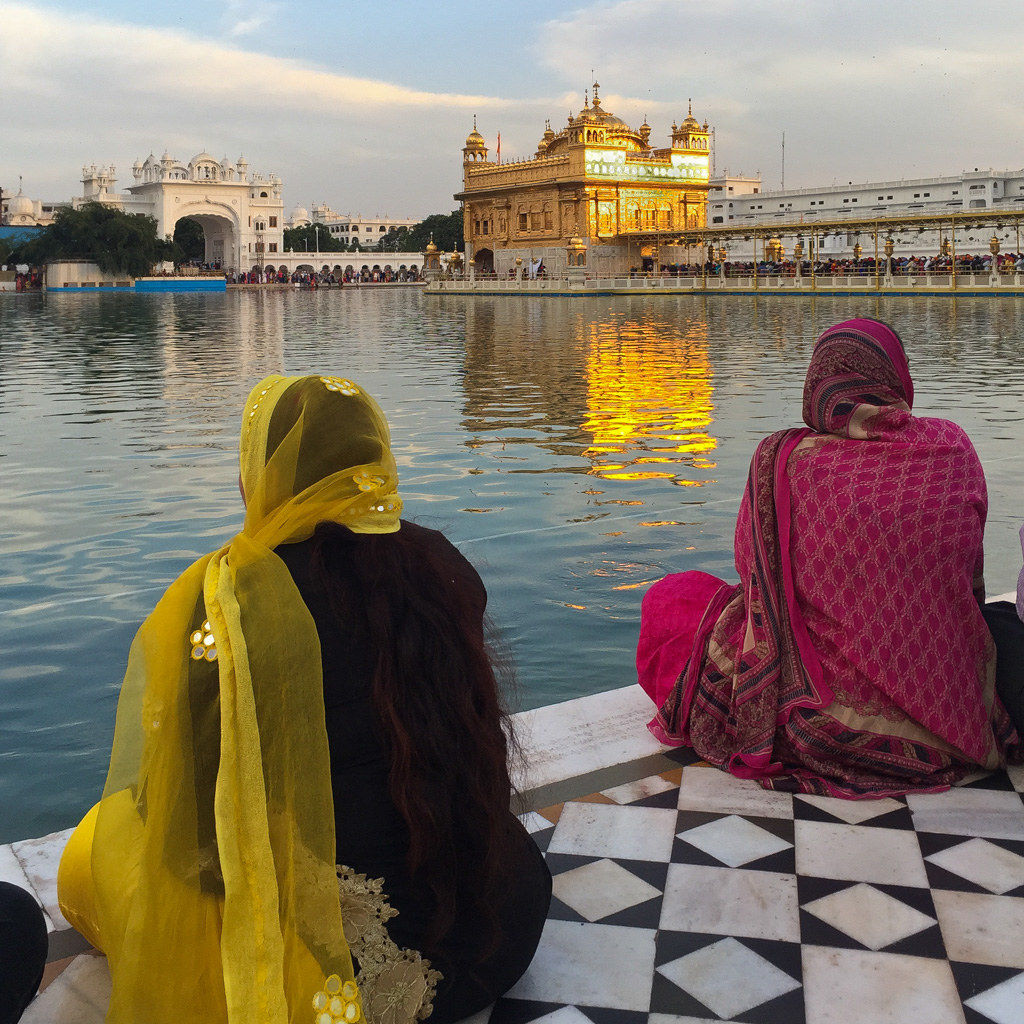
x=474, y=140
x=430, y=246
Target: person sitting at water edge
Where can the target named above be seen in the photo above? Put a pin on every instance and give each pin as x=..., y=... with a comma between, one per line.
x=852, y=658
x=23, y=948
x=1005, y=620
x=309, y=741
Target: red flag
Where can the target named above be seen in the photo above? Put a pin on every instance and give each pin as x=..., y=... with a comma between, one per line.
x=499, y=147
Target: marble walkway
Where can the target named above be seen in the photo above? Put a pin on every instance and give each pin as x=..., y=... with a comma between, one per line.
x=685, y=896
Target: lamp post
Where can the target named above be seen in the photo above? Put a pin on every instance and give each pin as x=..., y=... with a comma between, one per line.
x=798, y=257
x=993, y=247
x=888, y=249
x=316, y=228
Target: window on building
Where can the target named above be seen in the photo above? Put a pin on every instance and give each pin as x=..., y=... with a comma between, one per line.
x=854, y=199
x=976, y=204
x=263, y=195
x=927, y=194
x=717, y=220
x=273, y=246
x=973, y=187
x=917, y=195
x=956, y=191
x=846, y=200
x=782, y=206
x=536, y=221
x=355, y=227
x=730, y=188
x=888, y=197
x=523, y=222
x=548, y=223
x=487, y=227
x=756, y=190
x=881, y=197
x=382, y=229
x=273, y=222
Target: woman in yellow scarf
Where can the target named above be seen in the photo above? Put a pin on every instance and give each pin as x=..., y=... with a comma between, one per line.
x=207, y=872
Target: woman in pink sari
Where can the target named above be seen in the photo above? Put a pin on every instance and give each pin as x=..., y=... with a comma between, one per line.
x=852, y=659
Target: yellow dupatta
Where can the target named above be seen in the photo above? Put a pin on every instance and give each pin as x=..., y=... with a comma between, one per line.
x=213, y=860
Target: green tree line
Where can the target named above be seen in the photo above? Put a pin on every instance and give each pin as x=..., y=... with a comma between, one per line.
x=117, y=242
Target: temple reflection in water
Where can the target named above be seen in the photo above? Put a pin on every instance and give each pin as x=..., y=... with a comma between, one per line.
x=649, y=402
x=623, y=398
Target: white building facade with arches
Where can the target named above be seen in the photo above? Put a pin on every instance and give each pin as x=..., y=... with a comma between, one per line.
x=241, y=214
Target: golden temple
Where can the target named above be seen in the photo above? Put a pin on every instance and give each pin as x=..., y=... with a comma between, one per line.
x=595, y=194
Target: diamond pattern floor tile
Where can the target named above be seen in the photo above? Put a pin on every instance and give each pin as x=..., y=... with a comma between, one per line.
x=692, y=897
x=728, y=977
x=734, y=840
x=875, y=919
x=992, y=867
x=601, y=888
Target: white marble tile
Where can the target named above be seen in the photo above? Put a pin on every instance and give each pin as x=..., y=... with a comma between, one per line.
x=607, y=830
x=734, y=841
x=728, y=978
x=563, y=741
x=591, y=965
x=602, y=888
x=1010, y=596
x=983, y=863
x=563, y=1015
x=1002, y=1004
x=731, y=901
x=669, y=1018
x=845, y=985
x=80, y=994
x=858, y=853
x=875, y=919
x=708, y=789
x=631, y=791
x=997, y=814
x=40, y=858
x=11, y=870
x=534, y=822
x=853, y=812
x=981, y=929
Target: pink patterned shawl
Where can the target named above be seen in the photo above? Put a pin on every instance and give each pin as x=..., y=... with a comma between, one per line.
x=852, y=659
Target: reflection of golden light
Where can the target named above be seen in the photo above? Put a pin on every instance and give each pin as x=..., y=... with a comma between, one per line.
x=663, y=522
x=649, y=401
x=634, y=586
x=578, y=607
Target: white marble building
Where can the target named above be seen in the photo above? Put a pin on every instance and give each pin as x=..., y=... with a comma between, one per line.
x=739, y=202
x=241, y=214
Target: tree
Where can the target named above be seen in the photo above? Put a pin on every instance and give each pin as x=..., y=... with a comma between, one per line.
x=304, y=239
x=446, y=229
x=396, y=240
x=117, y=242
x=191, y=239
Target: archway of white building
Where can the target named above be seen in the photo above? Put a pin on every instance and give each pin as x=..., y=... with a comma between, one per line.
x=221, y=238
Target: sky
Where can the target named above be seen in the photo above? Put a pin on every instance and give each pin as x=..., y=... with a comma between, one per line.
x=365, y=106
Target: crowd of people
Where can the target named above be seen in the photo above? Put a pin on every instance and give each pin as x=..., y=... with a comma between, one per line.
x=310, y=736
x=899, y=266
x=325, y=278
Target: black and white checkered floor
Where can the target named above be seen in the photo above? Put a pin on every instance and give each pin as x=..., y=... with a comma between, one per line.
x=691, y=897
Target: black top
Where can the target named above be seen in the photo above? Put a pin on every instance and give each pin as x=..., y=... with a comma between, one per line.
x=371, y=834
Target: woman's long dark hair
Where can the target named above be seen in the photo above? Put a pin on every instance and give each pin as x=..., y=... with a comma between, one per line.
x=438, y=708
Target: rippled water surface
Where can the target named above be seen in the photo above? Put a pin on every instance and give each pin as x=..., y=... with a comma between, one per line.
x=577, y=449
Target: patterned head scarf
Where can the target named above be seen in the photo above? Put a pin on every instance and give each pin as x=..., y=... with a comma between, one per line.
x=857, y=367
x=213, y=856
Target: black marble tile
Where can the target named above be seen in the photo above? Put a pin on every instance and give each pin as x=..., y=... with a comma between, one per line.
x=543, y=838
x=653, y=872
x=520, y=1011
x=973, y=979
x=683, y=755
x=641, y=915
x=560, y=862
x=667, y=799
x=997, y=780
x=926, y=943
x=685, y=820
x=784, y=861
x=784, y=1009
x=560, y=911
x=684, y=853
x=787, y=956
x=809, y=888
x=669, y=946
x=940, y=878
x=607, y=1015
x=669, y=998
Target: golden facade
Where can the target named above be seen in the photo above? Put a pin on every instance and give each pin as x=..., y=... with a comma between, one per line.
x=598, y=179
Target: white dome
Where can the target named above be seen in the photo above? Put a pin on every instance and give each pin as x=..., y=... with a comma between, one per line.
x=300, y=213
x=205, y=157
x=19, y=206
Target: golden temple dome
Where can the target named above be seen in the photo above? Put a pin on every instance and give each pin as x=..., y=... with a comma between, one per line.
x=474, y=140
x=431, y=247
